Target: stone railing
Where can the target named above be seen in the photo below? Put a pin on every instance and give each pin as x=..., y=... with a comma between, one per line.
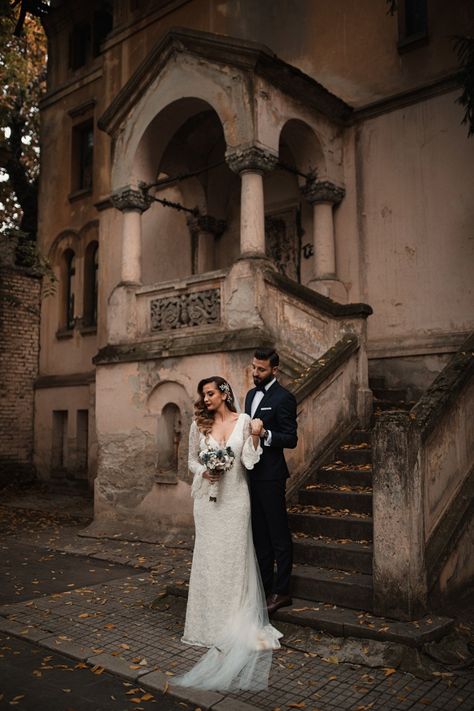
x=423, y=484
x=327, y=408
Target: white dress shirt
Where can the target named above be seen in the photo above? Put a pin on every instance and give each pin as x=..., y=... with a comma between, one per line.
x=257, y=399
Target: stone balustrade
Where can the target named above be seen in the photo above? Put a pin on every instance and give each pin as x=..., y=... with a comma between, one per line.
x=423, y=487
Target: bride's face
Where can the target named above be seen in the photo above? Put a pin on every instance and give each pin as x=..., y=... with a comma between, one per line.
x=213, y=397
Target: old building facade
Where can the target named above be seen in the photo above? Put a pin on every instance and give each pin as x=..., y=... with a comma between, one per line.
x=219, y=175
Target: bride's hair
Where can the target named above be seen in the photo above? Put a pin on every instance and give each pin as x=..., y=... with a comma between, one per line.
x=204, y=418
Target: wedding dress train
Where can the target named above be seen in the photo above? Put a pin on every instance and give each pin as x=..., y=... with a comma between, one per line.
x=226, y=608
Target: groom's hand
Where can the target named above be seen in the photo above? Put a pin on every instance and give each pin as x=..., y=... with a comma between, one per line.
x=256, y=427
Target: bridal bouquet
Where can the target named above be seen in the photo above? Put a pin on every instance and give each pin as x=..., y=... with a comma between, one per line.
x=216, y=460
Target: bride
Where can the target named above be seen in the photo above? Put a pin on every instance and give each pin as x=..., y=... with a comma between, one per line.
x=226, y=609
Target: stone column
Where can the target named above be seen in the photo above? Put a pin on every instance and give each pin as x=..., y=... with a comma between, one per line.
x=204, y=232
x=323, y=195
x=251, y=164
x=131, y=202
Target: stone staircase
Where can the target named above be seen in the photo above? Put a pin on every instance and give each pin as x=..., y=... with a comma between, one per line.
x=332, y=531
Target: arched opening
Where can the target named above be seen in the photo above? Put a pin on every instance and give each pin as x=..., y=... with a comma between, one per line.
x=288, y=217
x=169, y=430
x=191, y=172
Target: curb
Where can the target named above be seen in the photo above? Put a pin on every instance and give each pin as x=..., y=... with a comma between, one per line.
x=155, y=680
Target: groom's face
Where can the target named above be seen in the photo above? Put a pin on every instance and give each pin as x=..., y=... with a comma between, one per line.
x=262, y=371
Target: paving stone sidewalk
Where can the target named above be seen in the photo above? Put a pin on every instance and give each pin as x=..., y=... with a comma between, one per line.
x=129, y=627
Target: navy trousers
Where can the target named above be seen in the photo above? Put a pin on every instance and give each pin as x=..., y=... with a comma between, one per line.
x=271, y=534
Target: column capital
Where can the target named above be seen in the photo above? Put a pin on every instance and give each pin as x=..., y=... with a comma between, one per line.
x=206, y=223
x=319, y=191
x=252, y=159
x=132, y=199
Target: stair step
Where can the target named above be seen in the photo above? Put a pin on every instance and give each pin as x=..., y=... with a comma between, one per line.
x=357, y=529
x=354, y=501
x=354, y=454
x=345, y=555
x=337, y=474
x=359, y=437
x=384, y=405
x=390, y=394
x=343, y=622
x=338, y=587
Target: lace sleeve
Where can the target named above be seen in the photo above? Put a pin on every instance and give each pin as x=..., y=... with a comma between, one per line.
x=250, y=456
x=195, y=466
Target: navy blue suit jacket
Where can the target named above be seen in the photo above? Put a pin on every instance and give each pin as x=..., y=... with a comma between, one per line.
x=278, y=412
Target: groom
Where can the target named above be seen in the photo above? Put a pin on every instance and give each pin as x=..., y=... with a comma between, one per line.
x=275, y=407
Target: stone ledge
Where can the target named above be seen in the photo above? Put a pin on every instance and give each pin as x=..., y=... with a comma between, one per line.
x=313, y=298
x=173, y=344
x=352, y=623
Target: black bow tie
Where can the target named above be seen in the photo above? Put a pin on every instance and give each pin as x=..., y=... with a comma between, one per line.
x=261, y=388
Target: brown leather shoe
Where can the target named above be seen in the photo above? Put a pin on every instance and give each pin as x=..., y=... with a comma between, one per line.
x=275, y=601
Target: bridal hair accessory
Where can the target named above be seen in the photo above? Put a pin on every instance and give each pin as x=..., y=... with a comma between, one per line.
x=219, y=460
x=225, y=388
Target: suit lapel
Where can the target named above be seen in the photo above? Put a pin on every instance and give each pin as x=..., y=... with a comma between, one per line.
x=249, y=400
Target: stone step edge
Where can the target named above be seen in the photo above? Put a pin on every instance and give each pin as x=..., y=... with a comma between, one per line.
x=319, y=574
x=151, y=679
x=351, y=546
x=344, y=622
x=334, y=489
x=351, y=519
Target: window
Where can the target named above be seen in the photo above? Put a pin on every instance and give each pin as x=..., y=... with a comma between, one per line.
x=87, y=36
x=69, y=288
x=79, y=45
x=59, y=440
x=102, y=24
x=82, y=156
x=412, y=23
x=91, y=272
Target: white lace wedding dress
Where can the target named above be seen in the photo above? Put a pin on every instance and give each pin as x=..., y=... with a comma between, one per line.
x=226, y=604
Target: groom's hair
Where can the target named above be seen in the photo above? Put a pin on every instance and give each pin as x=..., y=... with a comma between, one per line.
x=268, y=354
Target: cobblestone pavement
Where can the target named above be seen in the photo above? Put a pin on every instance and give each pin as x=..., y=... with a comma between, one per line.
x=130, y=627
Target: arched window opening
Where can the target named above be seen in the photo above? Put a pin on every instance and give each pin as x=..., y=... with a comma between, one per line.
x=91, y=283
x=168, y=440
x=70, y=288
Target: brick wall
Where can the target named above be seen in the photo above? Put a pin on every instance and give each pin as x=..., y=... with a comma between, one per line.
x=19, y=350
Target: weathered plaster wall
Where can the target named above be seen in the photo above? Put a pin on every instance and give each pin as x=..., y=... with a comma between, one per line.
x=416, y=218
x=69, y=400
x=126, y=487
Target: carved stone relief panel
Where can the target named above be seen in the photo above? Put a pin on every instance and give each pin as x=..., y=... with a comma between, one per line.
x=197, y=308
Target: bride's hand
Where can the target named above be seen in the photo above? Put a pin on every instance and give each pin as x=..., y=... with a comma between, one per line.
x=212, y=477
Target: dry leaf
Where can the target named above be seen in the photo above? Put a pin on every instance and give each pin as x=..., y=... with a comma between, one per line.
x=389, y=671
x=147, y=697
x=300, y=705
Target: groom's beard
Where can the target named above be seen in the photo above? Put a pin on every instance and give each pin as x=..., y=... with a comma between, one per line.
x=259, y=382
